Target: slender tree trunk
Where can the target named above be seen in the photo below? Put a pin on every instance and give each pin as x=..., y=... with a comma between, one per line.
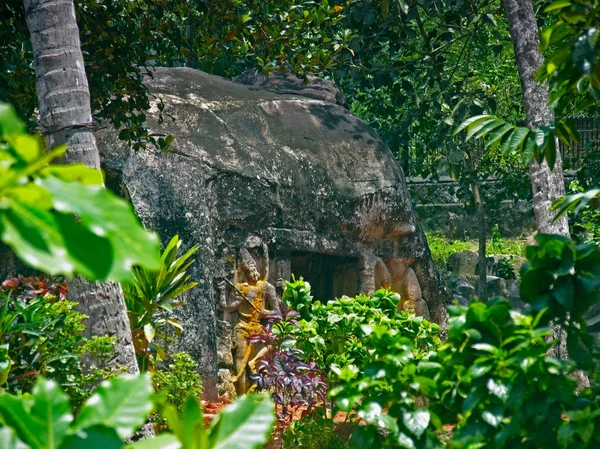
x=548, y=185
x=66, y=118
x=481, y=230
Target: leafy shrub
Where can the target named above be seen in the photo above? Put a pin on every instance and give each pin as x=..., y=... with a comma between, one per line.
x=293, y=383
x=80, y=385
x=585, y=226
x=500, y=245
x=334, y=337
x=492, y=379
x=150, y=300
x=117, y=409
x=43, y=332
x=506, y=268
x=49, y=212
x=179, y=381
x=314, y=431
x=297, y=296
x=441, y=248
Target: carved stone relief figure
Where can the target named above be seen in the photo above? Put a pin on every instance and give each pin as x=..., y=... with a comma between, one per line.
x=253, y=298
x=397, y=275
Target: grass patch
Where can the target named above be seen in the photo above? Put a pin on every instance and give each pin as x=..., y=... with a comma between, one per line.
x=442, y=247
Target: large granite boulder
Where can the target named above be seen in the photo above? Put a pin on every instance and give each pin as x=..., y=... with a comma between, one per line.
x=301, y=184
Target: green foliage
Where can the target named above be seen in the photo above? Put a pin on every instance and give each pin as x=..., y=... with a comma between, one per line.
x=480, y=378
x=314, y=431
x=245, y=424
x=43, y=332
x=297, y=296
x=44, y=420
x=81, y=384
x=150, y=300
x=487, y=365
x=179, y=381
x=585, y=218
x=60, y=219
x=441, y=248
x=577, y=203
x=572, y=68
x=334, y=337
x=535, y=143
x=506, y=268
x=562, y=280
x=500, y=245
x=383, y=388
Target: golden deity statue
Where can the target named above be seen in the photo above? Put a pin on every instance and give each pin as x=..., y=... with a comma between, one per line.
x=254, y=299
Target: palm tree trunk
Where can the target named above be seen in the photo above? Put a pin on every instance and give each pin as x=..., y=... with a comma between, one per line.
x=66, y=118
x=547, y=185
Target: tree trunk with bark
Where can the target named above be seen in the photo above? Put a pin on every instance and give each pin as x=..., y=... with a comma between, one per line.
x=548, y=185
x=482, y=237
x=66, y=118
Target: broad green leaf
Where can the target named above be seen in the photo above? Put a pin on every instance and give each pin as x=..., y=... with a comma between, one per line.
x=493, y=416
x=96, y=437
x=41, y=421
x=489, y=127
x=545, y=36
x=497, y=389
x=550, y=151
x=579, y=351
x=541, y=135
x=497, y=134
x=30, y=194
x=149, y=332
x=569, y=131
x=474, y=129
x=518, y=137
x=529, y=148
x=9, y=121
x=8, y=439
x=574, y=203
x=191, y=431
x=91, y=255
x=27, y=148
x=245, y=424
x=364, y=437
x=472, y=121
x=165, y=441
x=560, y=4
x=16, y=414
x=52, y=411
x=109, y=217
x=74, y=173
x=123, y=403
x=564, y=292
x=405, y=441
x=34, y=236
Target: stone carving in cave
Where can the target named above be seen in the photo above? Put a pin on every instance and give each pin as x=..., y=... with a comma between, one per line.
x=247, y=301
